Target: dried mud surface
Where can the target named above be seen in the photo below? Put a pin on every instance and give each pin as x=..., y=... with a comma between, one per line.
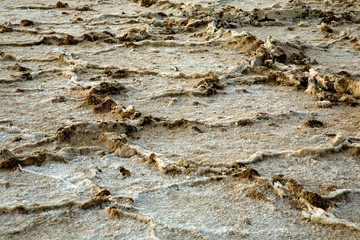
x=151, y=119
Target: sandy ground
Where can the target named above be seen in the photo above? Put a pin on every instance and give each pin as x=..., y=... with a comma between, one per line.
x=179, y=120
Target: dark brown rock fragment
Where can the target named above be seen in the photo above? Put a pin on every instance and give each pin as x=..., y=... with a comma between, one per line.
x=248, y=174
x=26, y=23
x=124, y=172
x=61, y=5
x=313, y=123
x=17, y=67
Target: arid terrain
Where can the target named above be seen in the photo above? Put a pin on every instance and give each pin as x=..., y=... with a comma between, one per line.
x=153, y=119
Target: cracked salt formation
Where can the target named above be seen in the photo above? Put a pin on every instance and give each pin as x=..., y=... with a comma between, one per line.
x=172, y=120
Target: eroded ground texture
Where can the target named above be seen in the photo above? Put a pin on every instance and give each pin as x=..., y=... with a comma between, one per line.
x=156, y=119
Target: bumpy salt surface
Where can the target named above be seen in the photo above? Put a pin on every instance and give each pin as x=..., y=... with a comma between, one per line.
x=172, y=120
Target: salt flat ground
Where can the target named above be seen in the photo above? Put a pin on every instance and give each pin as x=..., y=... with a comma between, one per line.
x=179, y=120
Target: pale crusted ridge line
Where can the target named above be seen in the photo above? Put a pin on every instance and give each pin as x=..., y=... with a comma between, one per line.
x=113, y=23
x=107, y=50
x=48, y=176
x=50, y=59
x=49, y=7
x=341, y=192
x=31, y=7
x=80, y=150
x=12, y=80
x=37, y=208
x=116, y=213
x=38, y=33
x=183, y=183
x=181, y=166
x=176, y=93
x=318, y=215
x=39, y=143
x=171, y=43
x=65, y=203
x=170, y=93
x=143, y=151
x=260, y=156
x=51, y=70
x=194, y=75
x=161, y=43
x=110, y=15
x=163, y=165
x=338, y=144
x=356, y=139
